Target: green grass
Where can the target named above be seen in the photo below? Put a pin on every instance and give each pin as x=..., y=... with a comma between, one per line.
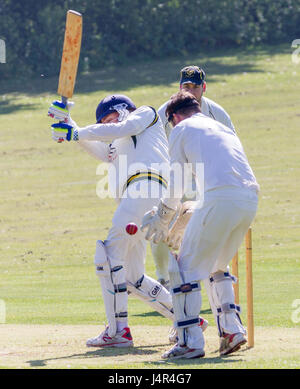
x=50, y=216
x=63, y=346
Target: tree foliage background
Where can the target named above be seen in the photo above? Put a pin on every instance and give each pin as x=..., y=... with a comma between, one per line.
x=118, y=31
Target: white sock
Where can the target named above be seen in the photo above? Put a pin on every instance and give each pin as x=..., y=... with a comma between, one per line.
x=121, y=325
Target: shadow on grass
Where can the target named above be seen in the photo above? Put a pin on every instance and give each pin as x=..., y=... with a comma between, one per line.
x=206, y=311
x=201, y=361
x=154, y=313
x=8, y=105
x=154, y=74
x=107, y=352
x=193, y=362
x=218, y=64
x=147, y=314
x=141, y=350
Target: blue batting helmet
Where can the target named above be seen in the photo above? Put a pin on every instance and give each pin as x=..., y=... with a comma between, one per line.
x=112, y=104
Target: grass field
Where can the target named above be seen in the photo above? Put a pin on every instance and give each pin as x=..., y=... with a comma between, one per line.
x=50, y=216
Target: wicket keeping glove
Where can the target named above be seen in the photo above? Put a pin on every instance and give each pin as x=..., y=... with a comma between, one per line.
x=63, y=131
x=60, y=111
x=177, y=230
x=156, y=222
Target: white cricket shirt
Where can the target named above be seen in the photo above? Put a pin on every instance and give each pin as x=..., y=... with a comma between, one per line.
x=208, y=108
x=140, y=142
x=200, y=139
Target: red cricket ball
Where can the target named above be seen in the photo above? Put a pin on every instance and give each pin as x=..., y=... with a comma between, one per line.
x=131, y=228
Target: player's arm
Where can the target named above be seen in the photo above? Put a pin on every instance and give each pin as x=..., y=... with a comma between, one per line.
x=228, y=122
x=136, y=122
x=162, y=114
x=60, y=111
x=97, y=149
x=218, y=113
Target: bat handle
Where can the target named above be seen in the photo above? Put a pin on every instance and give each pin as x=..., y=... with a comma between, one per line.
x=65, y=101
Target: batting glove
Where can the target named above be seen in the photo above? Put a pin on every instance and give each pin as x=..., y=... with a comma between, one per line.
x=63, y=131
x=156, y=222
x=60, y=111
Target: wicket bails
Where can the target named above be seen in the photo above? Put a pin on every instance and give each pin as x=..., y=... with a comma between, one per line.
x=249, y=285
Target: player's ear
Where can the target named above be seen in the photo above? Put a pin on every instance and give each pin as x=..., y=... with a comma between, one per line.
x=204, y=86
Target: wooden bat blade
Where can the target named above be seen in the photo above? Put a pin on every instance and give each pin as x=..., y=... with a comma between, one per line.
x=70, y=55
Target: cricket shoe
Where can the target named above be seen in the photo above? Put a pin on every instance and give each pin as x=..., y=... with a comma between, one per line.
x=178, y=351
x=121, y=339
x=173, y=336
x=229, y=343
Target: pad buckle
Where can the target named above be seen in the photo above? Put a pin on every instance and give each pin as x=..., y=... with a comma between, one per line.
x=187, y=288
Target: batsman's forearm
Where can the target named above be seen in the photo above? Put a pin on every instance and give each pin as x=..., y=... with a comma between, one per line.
x=96, y=149
x=106, y=132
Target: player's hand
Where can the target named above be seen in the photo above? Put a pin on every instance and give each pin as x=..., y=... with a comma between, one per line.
x=177, y=230
x=60, y=111
x=156, y=222
x=64, y=132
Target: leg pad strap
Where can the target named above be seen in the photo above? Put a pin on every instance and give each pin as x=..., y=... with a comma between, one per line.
x=187, y=288
x=188, y=322
x=220, y=276
x=120, y=288
x=226, y=308
x=121, y=314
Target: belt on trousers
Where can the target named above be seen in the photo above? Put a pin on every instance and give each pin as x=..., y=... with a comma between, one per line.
x=150, y=176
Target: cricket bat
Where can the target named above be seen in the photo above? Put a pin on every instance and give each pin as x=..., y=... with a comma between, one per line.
x=70, y=55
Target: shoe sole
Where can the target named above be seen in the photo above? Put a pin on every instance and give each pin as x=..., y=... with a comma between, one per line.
x=191, y=355
x=234, y=348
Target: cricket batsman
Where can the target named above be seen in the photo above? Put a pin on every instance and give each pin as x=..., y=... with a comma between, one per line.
x=215, y=230
x=121, y=130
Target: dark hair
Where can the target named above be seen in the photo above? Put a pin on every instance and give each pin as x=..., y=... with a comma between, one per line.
x=183, y=103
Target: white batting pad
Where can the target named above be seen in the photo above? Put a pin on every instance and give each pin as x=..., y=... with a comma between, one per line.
x=114, y=290
x=151, y=297
x=222, y=298
x=186, y=299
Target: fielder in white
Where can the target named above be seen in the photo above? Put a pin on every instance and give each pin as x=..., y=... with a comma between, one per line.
x=138, y=135
x=215, y=230
x=192, y=79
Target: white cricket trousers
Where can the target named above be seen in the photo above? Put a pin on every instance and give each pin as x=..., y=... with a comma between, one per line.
x=215, y=231
x=212, y=237
x=130, y=250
